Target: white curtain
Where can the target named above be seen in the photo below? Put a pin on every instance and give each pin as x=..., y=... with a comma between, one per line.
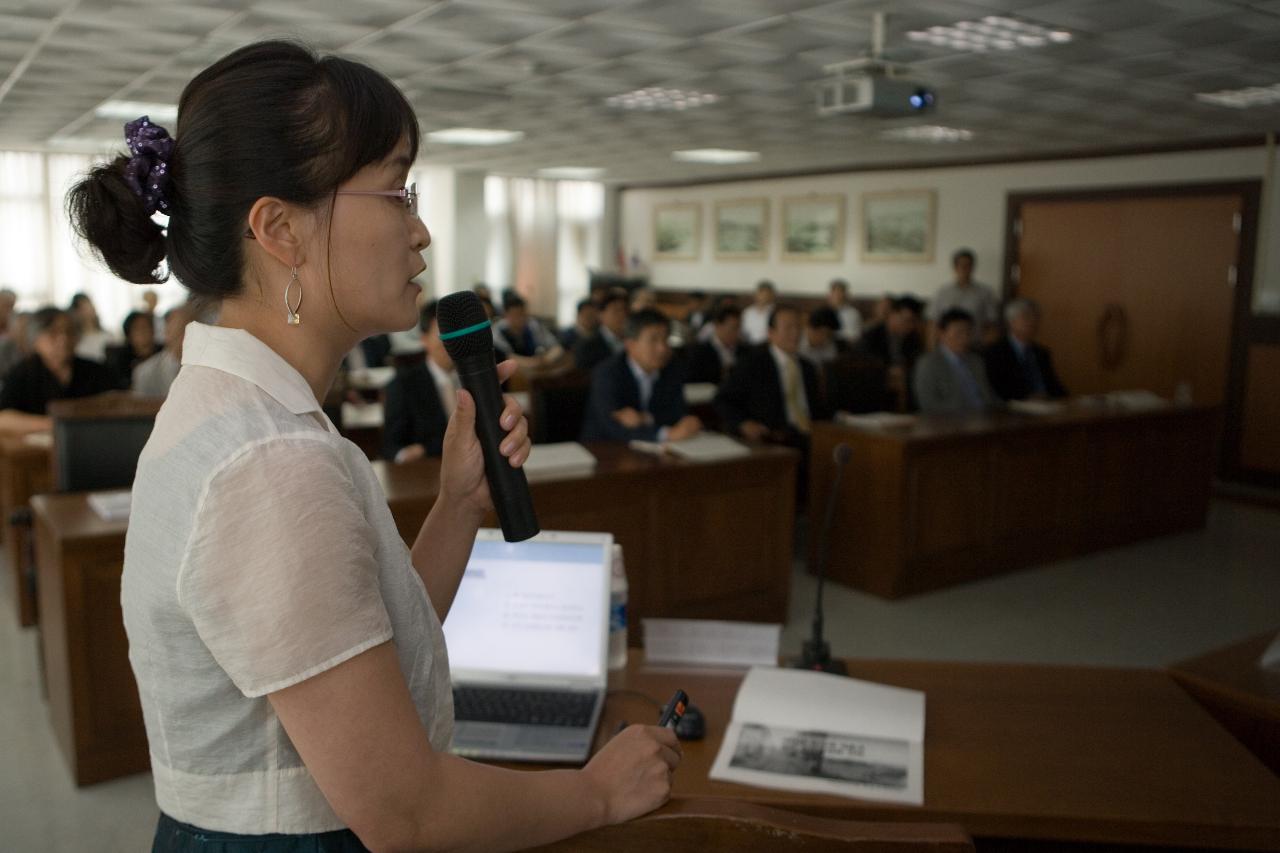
x=40, y=257
x=542, y=236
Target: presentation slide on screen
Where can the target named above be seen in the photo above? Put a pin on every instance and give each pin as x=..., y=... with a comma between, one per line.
x=530, y=608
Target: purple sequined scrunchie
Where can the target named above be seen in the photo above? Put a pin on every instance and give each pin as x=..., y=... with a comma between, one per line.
x=147, y=172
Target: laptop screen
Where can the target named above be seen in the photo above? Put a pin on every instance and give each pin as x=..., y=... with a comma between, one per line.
x=538, y=607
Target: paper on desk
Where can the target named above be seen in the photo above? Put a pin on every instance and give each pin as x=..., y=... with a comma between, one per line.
x=1035, y=407
x=111, y=506
x=811, y=731
x=875, y=420
x=558, y=458
x=708, y=642
x=362, y=416
x=38, y=439
x=708, y=447
x=699, y=393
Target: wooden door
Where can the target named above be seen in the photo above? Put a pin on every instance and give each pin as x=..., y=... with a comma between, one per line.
x=1136, y=292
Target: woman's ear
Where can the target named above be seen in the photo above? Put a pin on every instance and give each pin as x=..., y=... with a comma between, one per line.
x=280, y=229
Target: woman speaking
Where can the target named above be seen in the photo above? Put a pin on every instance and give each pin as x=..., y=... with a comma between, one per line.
x=287, y=646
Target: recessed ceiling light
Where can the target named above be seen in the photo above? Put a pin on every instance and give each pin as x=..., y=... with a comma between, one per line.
x=1253, y=96
x=475, y=136
x=715, y=155
x=129, y=110
x=993, y=31
x=928, y=133
x=657, y=98
x=572, y=173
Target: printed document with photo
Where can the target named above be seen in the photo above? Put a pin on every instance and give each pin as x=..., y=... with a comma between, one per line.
x=826, y=734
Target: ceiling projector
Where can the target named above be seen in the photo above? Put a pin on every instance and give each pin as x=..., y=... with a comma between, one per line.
x=871, y=88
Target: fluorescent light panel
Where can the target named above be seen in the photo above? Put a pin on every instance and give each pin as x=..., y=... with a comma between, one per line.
x=715, y=155
x=994, y=32
x=1241, y=99
x=572, y=173
x=475, y=136
x=129, y=110
x=928, y=133
x=658, y=98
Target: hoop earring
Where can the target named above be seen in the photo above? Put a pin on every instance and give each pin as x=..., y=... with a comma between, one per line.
x=293, y=318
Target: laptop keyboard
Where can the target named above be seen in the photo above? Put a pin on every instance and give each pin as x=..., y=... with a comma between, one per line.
x=530, y=707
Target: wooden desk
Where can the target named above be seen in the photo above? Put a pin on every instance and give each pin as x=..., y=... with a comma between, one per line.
x=1037, y=754
x=670, y=516
x=946, y=500
x=1239, y=694
x=25, y=470
x=93, y=698
x=700, y=540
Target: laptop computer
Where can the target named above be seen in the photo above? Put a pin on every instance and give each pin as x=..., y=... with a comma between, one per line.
x=528, y=637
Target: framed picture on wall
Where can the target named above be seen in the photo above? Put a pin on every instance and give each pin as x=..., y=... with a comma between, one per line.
x=676, y=231
x=742, y=229
x=898, y=226
x=813, y=228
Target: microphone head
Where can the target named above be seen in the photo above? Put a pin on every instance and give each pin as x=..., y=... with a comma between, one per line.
x=842, y=453
x=464, y=326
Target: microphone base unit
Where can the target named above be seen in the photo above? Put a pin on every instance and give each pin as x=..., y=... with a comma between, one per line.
x=816, y=656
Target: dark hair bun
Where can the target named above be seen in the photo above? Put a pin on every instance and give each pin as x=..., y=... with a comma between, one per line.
x=110, y=217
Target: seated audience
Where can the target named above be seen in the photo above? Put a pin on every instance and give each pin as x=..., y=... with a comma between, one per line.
x=819, y=343
x=1018, y=367
x=847, y=314
x=755, y=317
x=898, y=343
x=951, y=378
x=139, y=345
x=153, y=377
x=772, y=394
x=607, y=340
x=879, y=311
x=643, y=298
x=51, y=372
x=708, y=327
x=699, y=310
x=584, y=326
x=522, y=337
x=90, y=340
x=421, y=398
x=11, y=350
x=638, y=393
x=711, y=360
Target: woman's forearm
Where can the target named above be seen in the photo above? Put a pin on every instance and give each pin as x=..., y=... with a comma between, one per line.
x=442, y=549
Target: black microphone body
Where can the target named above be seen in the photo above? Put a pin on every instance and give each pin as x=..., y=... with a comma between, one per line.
x=816, y=652
x=470, y=345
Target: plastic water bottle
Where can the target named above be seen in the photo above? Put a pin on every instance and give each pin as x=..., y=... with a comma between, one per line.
x=618, y=612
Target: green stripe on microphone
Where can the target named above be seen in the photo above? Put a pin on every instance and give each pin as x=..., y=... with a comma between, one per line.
x=457, y=333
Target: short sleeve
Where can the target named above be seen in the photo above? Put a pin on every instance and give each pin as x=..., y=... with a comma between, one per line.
x=281, y=576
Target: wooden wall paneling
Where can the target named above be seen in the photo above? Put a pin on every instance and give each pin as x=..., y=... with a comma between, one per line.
x=1260, y=427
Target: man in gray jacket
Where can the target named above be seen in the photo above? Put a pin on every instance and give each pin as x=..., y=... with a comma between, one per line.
x=951, y=378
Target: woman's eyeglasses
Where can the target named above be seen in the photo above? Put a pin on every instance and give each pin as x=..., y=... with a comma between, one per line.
x=407, y=195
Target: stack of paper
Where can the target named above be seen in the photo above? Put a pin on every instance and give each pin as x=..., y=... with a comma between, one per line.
x=828, y=734
x=708, y=447
x=111, y=506
x=566, y=457
x=1035, y=407
x=699, y=393
x=367, y=416
x=709, y=642
x=875, y=420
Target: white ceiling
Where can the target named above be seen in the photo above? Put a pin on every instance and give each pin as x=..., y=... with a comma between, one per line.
x=545, y=66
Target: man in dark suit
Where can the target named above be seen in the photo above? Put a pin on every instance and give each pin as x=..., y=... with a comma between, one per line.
x=638, y=393
x=586, y=325
x=607, y=341
x=712, y=359
x=898, y=343
x=1017, y=366
x=772, y=394
x=420, y=399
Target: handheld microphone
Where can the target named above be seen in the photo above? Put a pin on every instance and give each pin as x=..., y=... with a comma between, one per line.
x=464, y=329
x=816, y=652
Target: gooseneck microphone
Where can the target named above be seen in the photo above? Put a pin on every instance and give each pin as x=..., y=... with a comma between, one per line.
x=816, y=653
x=464, y=329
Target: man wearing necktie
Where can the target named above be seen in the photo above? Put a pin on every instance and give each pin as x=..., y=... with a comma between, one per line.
x=1020, y=368
x=951, y=379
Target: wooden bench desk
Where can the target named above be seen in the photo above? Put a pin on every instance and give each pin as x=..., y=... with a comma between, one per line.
x=26, y=469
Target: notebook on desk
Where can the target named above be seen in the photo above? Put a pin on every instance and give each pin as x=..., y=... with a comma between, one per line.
x=528, y=643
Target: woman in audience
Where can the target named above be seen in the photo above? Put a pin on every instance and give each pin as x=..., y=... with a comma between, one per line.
x=287, y=645
x=51, y=372
x=139, y=345
x=91, y=340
